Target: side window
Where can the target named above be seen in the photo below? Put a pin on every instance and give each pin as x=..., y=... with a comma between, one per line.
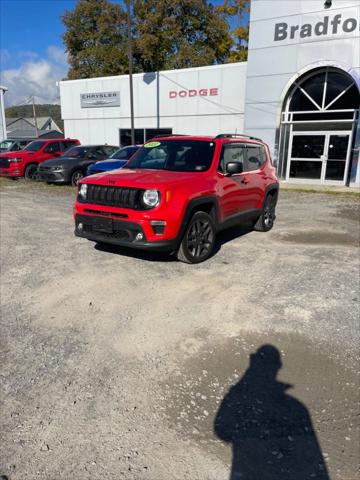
x=109, y=150
x=255, y=158
x=52, y=147
x=229, y=154
x=68, y=144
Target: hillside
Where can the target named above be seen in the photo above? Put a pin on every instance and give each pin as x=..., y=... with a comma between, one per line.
x=45, y=110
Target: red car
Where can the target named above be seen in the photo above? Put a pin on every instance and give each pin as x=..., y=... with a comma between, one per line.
x=24, y=163
x=177, y=192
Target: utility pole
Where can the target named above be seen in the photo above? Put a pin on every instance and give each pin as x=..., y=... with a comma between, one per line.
x=35, y=118
x=130, y=71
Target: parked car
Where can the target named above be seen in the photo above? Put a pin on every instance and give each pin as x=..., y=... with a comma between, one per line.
x=117, y=160
x=13, y=145
x=176, y=193
x=72, y=166
x=24, y=163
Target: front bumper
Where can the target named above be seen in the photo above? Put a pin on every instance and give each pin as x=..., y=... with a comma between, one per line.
x=11, y=172
x=118, y=232
x=52, y=176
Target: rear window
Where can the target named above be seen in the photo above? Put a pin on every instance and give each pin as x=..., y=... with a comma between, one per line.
x=174, y=155
x=255, y=158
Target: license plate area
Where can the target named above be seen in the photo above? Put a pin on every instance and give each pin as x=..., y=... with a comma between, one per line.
x=104, y=225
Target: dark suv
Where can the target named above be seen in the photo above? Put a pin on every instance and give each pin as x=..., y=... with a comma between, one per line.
x=177, y=192
x=72, y=166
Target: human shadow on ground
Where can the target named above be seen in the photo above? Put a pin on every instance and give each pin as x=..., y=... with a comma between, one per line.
x=271, y=432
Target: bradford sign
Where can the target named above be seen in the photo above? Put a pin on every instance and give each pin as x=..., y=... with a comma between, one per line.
x=336, y=25
x=202, y=92
x=100, y=99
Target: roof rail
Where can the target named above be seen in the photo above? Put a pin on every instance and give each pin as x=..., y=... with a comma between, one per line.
x=236, y=135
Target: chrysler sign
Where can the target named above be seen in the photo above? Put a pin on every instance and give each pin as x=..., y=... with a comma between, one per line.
x=328, y=26
x=100, y=99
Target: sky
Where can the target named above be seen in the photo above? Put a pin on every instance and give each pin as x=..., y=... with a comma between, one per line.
x=32, y=56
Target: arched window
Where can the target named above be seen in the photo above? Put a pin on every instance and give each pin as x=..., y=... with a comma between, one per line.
x=324, y=91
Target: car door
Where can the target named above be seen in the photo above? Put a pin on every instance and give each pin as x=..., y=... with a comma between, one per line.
x=232, y=190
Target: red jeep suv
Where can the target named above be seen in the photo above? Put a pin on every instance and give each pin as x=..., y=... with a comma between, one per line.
x=24, y=163
x=177, y=192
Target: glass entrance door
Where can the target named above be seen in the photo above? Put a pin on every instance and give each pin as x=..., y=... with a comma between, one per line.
x=319, y=157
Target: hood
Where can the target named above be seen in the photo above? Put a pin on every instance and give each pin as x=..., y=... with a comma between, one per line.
x=61, y=161
x=18, y=154
x=141, y=178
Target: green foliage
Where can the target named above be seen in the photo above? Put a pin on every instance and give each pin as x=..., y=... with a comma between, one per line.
x=45, y=110
x=96, y=39
x=235, y=11
x=167, y=34
x=178, y=34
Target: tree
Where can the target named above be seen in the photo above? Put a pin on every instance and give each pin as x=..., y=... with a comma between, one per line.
x=179, y=34
x=96, y=39
x=236, y=13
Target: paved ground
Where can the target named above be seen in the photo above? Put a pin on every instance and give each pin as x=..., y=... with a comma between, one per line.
x=118, y=364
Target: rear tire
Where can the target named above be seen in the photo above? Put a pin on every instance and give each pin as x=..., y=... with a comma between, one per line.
x=267, y=218
x=31, y=172
x=76, y=177
x=198, y=240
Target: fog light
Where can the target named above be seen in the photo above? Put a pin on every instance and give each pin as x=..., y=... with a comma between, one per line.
x=139, y=236
x=80, y=226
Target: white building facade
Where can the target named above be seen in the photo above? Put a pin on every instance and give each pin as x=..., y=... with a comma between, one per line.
x=2, y=114
x=299, y=91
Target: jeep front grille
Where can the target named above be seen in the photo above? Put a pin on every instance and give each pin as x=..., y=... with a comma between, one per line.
x=112, y=196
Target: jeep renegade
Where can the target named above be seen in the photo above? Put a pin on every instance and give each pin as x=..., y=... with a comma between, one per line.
x=177, y=192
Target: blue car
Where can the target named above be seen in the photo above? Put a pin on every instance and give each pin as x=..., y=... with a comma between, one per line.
x=117, y=160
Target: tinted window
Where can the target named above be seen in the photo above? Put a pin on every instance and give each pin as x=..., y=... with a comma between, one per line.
x=175, y=155
x=124, y=153
x=52, y=147
x=255, y=158
x=34, y=146
x=230, y=154
x=78, y=152
x=68, y=144
x=109, y=150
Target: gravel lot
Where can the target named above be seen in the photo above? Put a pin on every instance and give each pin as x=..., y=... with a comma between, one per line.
x=115, y=362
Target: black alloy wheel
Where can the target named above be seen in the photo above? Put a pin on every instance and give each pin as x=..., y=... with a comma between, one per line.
x=76, y=177
x=199, y=238
x=31, y=172
x=267, y=218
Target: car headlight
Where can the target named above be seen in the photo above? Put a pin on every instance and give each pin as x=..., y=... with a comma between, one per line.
x=151, y=198
x=17, y=159
x=83, y=190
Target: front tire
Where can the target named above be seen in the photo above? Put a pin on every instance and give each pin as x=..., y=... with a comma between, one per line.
x=31, y=172
x=76, y=177
x=267, y=218
x=198, y=240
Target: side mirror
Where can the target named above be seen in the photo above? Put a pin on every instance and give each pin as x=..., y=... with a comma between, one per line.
x=234, y=167
x=56, y=154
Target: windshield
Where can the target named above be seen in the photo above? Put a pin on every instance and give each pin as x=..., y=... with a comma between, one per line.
x=175, y=155
x=34, y=146
x=77, y=152
x=124, y=153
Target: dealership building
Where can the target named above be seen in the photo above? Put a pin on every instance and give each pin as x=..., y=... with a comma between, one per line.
x=299, y=91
